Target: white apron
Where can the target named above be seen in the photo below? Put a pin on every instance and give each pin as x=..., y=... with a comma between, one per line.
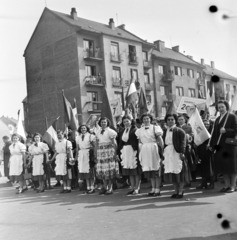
x=61, y=164
x=16, y=165
x=83, y=161
x=128, y=156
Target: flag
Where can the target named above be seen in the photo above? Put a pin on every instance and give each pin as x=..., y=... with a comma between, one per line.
x=50, y=136
x=75, y=112
x=234, y=103
x=19, y=127
x=131, y=98
x=106, y=109
x=69, y=118
x=172, y=108
x=55, y=124
x=210, y=94
x=200, y=132
x=142, y=103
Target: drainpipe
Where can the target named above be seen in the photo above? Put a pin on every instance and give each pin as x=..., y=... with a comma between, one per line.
x=154, y=84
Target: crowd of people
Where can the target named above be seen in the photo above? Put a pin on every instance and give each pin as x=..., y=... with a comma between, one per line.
x=137, y=151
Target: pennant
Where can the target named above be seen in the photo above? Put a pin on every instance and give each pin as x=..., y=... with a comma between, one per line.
x=106, y=109
x=19, y=127
x=50, y=137
x=131, y=98
x=69, y=117
x=200, y=132
x=142, y=103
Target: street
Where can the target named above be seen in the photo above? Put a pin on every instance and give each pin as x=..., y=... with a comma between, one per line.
x=51, y=215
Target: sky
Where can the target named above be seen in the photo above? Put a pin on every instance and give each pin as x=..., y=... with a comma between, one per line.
x=187, y=23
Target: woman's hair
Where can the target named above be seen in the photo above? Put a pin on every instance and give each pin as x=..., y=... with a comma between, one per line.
x=184, y=116
x=133, y=123
x=61, y=132
x=5, y=137
x=83, y=125
x=171, y=115
x=146, y=115
x=16, y=135
x=225, y=103
x=37, y=134
x=104, y=118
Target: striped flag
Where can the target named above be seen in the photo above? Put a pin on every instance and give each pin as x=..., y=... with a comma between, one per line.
x=172, y=108
x=50, y=136
x=142, y=103
x=132, y=98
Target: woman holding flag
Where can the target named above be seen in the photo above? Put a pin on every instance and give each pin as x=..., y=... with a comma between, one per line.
x=223, y=135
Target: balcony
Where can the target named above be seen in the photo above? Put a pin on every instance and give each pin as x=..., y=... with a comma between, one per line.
x=168, y=77
x=147, y=64
x=117, y=82
x=91, y=54
x=94, y=81
x=149, y=86
x=116, y=57
x=200, y=82
x=133, y=59
x=94, y=106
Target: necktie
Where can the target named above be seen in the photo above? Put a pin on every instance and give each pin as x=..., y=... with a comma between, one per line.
x=82, y=137
x=127, y=130
x=146, y=128
x=102, y=131
x=36, y=144
x=171, y=130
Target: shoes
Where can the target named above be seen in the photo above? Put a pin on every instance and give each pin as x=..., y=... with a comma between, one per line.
x=24, y=189
x=150, y=194
x=109, y=192
x=211, y=186
x=202, y=185
x=223, y=190
x=156, y=194
x=174, y=195
x=135, y=192
x=131, y=192
x=91, y=191
x=63, y=191
x=40, y=191
x=102, y=191
x=180, y=195
x=19, y=191
x=67, y=191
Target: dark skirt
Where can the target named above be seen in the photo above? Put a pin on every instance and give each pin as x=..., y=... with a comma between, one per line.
x=39, y=177
x=90, y=175
x=183, y=176
x=66, y=177
x=132, y=172
x=15, y=178
x=152, y=174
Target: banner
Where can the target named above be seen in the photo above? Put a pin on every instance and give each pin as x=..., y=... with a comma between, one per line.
x=186, y=102
x=116, y=107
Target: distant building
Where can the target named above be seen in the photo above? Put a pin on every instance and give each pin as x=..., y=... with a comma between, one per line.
x=176, y=75
x=80, y=56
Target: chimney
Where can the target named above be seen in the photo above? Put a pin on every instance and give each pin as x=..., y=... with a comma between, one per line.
x=202, y=61
x=122, y=26
x=191, y=57
x=160, y=45
x=175, y=48
x=74, y=13
x=212, y=64
x=111, y=23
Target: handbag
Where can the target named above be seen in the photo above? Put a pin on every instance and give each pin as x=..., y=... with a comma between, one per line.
x=27, y=175
x=231, y=141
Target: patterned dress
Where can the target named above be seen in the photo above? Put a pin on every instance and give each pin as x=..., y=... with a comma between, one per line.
x=16, y=161
x=62, y=172
x=107, y=165
x=149, y=152
x=84, y=143
x=37, y=150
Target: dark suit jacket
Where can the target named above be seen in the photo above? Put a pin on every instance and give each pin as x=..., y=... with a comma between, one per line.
x=179, y=139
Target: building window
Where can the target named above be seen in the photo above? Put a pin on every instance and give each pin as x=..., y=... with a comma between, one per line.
x=120, y=96
x=88, y=44
x=161, y=69
x=132, y=54
x=116, y=80
x=146, y=78
x=92, y=101
x=144, y=56
x=198, y=75
x=163, y=109
x=179, y=91
x=227, y=87
x=178, y=71
x=234, y=88
x=190, y=73
x=115, y=51
x=191, y=92
x=134, y=74
x=90, y=70
x=163, y=90
x=148, y=98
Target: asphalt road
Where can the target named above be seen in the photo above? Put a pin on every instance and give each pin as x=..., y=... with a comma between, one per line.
x=51, y=215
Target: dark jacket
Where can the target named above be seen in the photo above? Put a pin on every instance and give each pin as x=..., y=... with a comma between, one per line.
x=179, y=139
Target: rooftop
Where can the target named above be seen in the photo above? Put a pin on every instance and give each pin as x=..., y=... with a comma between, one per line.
x=8, y=120
x=213, y=71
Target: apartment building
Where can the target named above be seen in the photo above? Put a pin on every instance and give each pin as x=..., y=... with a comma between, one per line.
x=82, y=57
x=175, y=75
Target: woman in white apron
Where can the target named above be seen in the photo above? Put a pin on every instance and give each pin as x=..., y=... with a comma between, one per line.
x=16, y=162
x=37, y=151
x=174, y=159
x=86, y=141
x=149, y=155
x=63, y=149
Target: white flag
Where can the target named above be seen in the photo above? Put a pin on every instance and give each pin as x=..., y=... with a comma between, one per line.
x=234, y=104
x=19, y=127
x=200, y=132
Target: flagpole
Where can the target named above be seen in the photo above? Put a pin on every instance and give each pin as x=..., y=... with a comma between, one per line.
x=46, y=123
